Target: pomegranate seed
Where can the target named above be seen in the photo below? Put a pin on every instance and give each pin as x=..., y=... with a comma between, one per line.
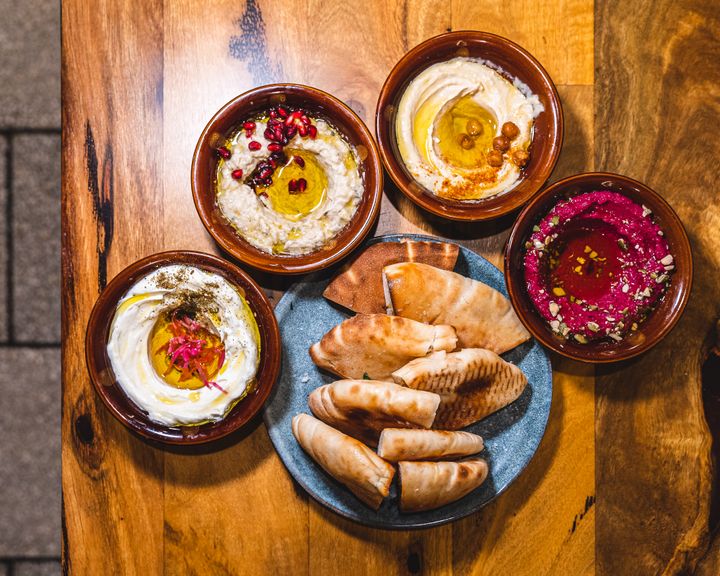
x=249, y=133
x=303, y=130
x=299, y=161
x=291, y=119
x=274, y=147
x=312, y=131
x=249, y=125
x=265, y=173
x=282, y=111
x=301, y=184
x=254, y=145
x=236, y=174
x=267, y=182
x=273, y=113
x=305, y=120
x=290, y=131
x=269, y=134
x=223, y=152
x=292, y=185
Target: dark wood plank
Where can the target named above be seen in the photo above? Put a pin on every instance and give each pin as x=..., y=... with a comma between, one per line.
x=657, y=111
x=112, y=107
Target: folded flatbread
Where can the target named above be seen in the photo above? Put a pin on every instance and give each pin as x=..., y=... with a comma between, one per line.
x=348, y=461
x=363, y=408
x=481, y=315
x=472, y=384
x=398, y=444
x=359, y=285
x=373, y=345
x=429, y=485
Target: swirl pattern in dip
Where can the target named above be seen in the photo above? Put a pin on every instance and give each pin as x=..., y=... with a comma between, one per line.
x=184, y=345
x=288, y=183
x=464, y=130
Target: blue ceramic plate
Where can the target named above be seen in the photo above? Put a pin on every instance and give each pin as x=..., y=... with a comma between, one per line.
x=511, y=435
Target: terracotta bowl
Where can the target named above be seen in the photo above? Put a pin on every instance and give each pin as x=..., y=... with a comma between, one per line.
x=517, y=63
x=101, y=373
x=226, y=122
x=660, y=321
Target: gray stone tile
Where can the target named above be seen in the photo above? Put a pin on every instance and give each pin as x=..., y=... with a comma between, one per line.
x=38, y=568
x=30, y=71
x=3, y=569
x=3, y=244
x=36, y=238
x=30, y=452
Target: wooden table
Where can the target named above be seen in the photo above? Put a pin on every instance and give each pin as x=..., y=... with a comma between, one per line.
x=621, y=483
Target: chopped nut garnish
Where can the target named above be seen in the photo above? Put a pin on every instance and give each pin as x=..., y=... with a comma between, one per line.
x=554, y=308
x=558, y=291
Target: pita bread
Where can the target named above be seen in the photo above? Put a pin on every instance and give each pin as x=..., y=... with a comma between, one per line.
x=359, y=285
x=348, y=461
x=362, y=408
x=429, y=485
x=481, y=315
x=472, y=384
x=398, y=444
x=376, y=344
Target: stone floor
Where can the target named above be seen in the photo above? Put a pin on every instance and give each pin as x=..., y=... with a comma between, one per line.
x=30, y=287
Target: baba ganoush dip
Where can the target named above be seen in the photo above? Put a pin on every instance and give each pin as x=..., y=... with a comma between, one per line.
x=464, y=130
x=184, y=345
x=596, y=265
x=288, y=183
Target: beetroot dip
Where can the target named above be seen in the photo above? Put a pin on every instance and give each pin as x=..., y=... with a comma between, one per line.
x=596, y=265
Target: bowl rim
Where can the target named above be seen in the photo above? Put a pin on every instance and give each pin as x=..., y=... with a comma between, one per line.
x=298, y=264
x=513, y=243
x=98, y=329
x=430, y=202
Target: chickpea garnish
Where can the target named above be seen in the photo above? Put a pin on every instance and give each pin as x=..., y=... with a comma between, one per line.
x=510, y=130
x=466, y=142
x=495, y=158
x=474, y=128
x=501, y=143
x=520, y=157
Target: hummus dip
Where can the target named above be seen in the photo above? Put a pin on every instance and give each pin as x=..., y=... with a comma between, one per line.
x=184, y=345
x=463, y=130
x=596, y=265
x=288, y=194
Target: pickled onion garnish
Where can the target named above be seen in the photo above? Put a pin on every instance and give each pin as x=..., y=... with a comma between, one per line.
x=192, y=354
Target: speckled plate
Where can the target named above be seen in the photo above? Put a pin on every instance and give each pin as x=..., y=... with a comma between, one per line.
x=511, y=435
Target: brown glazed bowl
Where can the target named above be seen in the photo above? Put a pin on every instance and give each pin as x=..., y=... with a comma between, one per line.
x=516, y=63
x=659, y=322
x=112, y=395
x=227, y=121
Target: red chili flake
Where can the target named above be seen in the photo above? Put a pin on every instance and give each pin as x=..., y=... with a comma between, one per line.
x=236, y=174
x=254, y=145
x=224, y=153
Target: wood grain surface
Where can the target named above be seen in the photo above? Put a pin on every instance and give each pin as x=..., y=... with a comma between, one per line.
x=621, y=482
